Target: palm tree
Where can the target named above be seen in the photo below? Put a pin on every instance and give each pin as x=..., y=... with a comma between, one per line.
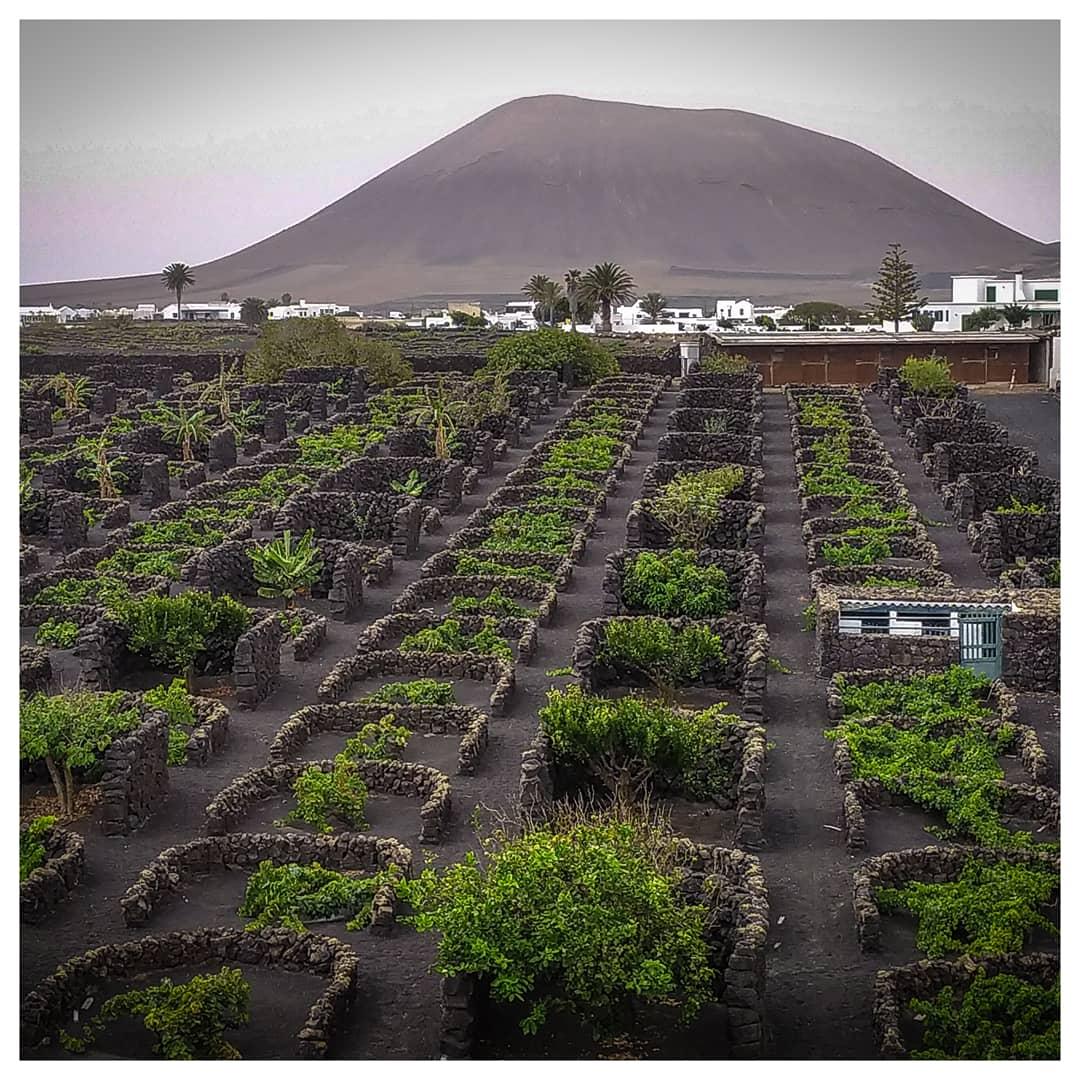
x=536, y=288
x=606, y=284
x=185, y=428
x=653, y=305
x=253, y=311
x=573, y=286
x=177, y=276
x=1016, y=315
x=552, y=296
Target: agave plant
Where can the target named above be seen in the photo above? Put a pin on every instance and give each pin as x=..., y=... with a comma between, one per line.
x=286, y=570
x=185, y=428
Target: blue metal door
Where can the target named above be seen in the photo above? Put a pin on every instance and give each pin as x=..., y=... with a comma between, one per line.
x=980, y=643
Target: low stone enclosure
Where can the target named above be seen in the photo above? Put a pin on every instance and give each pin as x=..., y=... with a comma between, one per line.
x=739, y=759
x=975, y=493
x=406, y=778
x=227, y=568
x=1033, y=574
x=949, y=460
x=661, y=473
x=715, y=421
x=1002, y=538
x=445, y=563
x=895, y=987
x=845, y=577
x=349, y=716
x=51, y=883
x=702, y=446
x=936, y=864
x=35, y=668
x=136, y=775
x=175, y=867
x=904, y=551
x=743, y=668
x=357, y=517
x=744, y=569
x=1030, y=634
x=429, y=590
x=372, y=664
x=48, y=1007
x=927, y=431
x=731, y=885
x=254, y=658
x=442, y=480
x=737, y=526
x=388, y=632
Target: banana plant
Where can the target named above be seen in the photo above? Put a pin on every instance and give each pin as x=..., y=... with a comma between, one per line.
x=73, y=392
x=413, y=485
x=440, y=411
x=285, y=570
x=185, y=428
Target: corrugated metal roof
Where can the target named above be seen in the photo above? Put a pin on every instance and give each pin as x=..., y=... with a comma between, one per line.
x=928, y=605
x=817, y=337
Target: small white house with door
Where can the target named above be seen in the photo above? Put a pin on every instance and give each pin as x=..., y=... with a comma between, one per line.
x=306, y=310
x=218, y=311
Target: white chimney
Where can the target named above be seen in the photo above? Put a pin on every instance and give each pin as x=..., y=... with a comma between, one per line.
x=1018, y=288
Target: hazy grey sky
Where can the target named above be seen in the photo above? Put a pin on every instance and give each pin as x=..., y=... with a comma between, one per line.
x=146, y=142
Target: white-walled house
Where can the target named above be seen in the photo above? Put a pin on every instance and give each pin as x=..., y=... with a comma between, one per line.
x=147, y=312
x=40, y=313
x=304, y=310
x=226, y=310
x=735, y=310
x=517, y=316
x=970, y=292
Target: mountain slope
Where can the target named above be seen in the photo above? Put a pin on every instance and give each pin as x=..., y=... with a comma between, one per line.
x=686, y=199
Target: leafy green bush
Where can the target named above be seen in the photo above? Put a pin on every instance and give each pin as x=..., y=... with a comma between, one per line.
x=174, y=631
x=583, y=453
x=416, y=692
x=726, y=364
x=691, y=504
x=583, y=918
x=659, y=652
x=845, y=553
x=189, y=1019
x=287, y=344
x=495, y=603
x=470, y=565
x=955, y=694
x=1015, y=506
x=927, y=375
x=32, y=845
x=72, y=591
x=383, y=740
x=340, y=794
x=448, y=637
x=628, y=741
x=176, y=701
x=1053, y=575
x=62, y=633
x=549, y=350
x=285, y=895
x=836, y=480
x=672, y=583
x=997, y=1018
x=69, y=731
x=285, y=570
x=517, y=530
x=342, y=443
x=130, y=562
x=987, y=911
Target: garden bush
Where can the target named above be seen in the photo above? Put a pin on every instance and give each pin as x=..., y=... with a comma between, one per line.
x=672, y=583
x=663, y=654
x=939, y=697
x=495, y=603
x=550, y=350
x=320, y=796
x=176, y=701
x=32, y=845
x=927, y=375
x=448, y=637
x=517, y=530
x=691, y=504
x=414, y=692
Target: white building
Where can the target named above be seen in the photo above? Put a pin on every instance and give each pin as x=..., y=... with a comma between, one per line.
x=970, y=292
x=40, y=313
x=227, y=310
x=735, y=311
x=629, y=318
x=147, y=312
x=517, y=316
x=304, y=310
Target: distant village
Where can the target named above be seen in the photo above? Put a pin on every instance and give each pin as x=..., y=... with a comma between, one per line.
x=972, y=296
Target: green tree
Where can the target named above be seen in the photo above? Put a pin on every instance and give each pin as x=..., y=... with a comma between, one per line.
x=896, y=291
x=766, y=321
x=286, y=298
x=285, y=344
x=1016, y=315
x=538, y=290
x=922, y=321
x=254, y=311
x=464, y=319
x=224, y=297
x=547, y=349
x=572, y=280
x=982, y=319
x=607, y=284
x=653, y=305
x=285, y=570
x=177, y=277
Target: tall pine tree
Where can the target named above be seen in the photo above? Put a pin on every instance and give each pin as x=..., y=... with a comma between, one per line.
x=896, y=291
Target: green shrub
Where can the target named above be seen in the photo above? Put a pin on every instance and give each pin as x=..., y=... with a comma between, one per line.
x=72, y=591
x=342, y=443
x=495, y=603
x=383, y=740
x=468, y=565
x=659, y=652
x=1015, y=506
x=61, y=633
x=189, y=1019
x=836, y=480
x=549, y=350
x=32, y=845
x=997, y=1018
x=518, y=530
x=989, y=910
x=726, y=364
x=416, y=692
x=672, y=583
x=176, y=701
x=927, y=375
x=844, y=553
x=448, y=637
x=285, y=895
x=340, y=794
x=287, y=344
x=130, y=562
x=1053, y=575
x=583, y=453
x=628, y=742
x=585, y=918
x=285, y=570
x=691, y=504
x=955, y=694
